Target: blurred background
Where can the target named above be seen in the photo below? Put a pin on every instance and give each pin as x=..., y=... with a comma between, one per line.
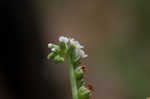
x=115, y=34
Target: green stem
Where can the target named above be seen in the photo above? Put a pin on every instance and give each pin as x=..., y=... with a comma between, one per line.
x=72, y=79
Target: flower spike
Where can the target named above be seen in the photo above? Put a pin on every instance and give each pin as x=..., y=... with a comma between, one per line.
x=71, y=50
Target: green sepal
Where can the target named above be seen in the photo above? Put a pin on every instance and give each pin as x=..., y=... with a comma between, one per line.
x=80, y=82
x=58, y=59
x=51, y=55
x=79, y=72
x=75, y=60
x=63, y=46
x=71, y=50
x=84, y=93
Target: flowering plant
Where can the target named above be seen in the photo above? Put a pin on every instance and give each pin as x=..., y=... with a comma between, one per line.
x=72, y=51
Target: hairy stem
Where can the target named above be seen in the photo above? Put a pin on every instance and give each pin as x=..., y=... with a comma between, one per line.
x=72, y=79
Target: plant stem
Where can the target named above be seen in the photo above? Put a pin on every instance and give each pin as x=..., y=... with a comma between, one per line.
x=72, y=79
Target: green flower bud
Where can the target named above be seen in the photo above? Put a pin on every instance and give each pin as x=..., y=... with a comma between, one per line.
x=57, y=50
x=79, y=72
x=50, y=45
x=54, y=48
x=63, y=46
x=58, y=59
x=84, y=93
x=51, y=55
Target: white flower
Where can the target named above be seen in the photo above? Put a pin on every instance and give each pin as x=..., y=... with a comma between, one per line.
x=50, y=45
x=78, y=50
x=63, y=39
x=81, y=53
x=75, y=43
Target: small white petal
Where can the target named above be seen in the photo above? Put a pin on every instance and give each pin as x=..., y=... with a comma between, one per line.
x=85, y=56
x=77, y=51
x=79, y=46
x=63, y=39
x=53, y=49
x=80, y=52
x=75, y=43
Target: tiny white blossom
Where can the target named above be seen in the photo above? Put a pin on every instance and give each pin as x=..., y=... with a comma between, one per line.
x=50, y=45
x=76, y=43
x=78, y=50
x=81, y=53
x=63, y=39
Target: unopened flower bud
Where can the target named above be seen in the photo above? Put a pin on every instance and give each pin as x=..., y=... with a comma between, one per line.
x=79, y=72
x=50, y=45
x=84, y=93
x=55, y=48
x=58, y=59
x=51, y=55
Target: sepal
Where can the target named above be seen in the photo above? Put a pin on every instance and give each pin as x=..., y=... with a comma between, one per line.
x=71, y=50
x=84, y=93
x=75, y=59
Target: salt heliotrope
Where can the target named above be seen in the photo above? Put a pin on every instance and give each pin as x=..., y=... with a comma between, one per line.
x=71, y=50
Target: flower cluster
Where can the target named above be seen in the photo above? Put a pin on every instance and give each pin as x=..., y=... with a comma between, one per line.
x=72, y=50
x=64, y=44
